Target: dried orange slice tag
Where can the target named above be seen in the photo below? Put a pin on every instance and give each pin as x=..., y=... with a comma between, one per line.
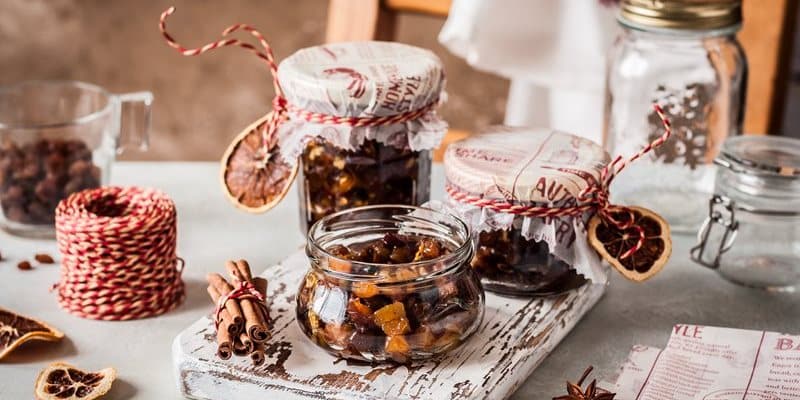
x=60, y=381
x=16, y=330
x=253, y=179
x=612, y=243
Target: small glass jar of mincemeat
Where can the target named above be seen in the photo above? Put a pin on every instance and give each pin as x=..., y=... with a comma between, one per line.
x=495, y=178
x=389, y=283
x=344, y=166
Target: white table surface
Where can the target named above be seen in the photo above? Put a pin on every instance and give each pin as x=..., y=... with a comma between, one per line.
x=211, y=231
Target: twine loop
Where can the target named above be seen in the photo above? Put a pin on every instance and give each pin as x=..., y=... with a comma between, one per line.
x=281, y=108
x=118, y=254
x=594, y=198
x=242, y=291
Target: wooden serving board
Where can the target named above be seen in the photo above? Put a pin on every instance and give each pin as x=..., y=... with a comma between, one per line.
x=514, y=337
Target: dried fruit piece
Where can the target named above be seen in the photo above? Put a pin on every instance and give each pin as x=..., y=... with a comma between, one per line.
x=24, y=265
x=612, y=243
x=398, y=348
x=61, y=381
x=428, y=249
x=365, y=290
x=338, y=334
x=392, y=319
x=43, y=258
x=253, y=179
x=16, y=330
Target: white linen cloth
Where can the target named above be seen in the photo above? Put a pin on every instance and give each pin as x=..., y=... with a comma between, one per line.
x=554, y=53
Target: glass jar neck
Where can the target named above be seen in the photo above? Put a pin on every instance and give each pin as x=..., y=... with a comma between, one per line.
x=759, y=191
x=651, y=33
x=372, y=223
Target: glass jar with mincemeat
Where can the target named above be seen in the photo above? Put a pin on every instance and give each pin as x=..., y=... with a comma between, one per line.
x=344, y=163
x=389, y=283
x=494, y=178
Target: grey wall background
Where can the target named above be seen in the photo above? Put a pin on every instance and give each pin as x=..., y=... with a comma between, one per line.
x=201, y=102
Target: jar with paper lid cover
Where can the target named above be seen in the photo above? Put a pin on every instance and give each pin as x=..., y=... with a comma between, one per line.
x=490, y=174
x=344, y=165
x=752, y=233
x=683, y=55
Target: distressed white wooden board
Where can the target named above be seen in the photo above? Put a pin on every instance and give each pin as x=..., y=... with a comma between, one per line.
x=514, y=337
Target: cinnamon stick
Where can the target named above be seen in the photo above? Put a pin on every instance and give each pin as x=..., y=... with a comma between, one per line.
x=243, y=346
x=261, y=286
x=224, y=315
x=258, y=354
x=244, y=270
x=224, y=345
x=224, y=330
x=222, y=286
x=253, y=314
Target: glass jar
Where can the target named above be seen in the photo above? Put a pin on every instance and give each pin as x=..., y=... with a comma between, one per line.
x=344, y=166
x=752, y=233
x=57, y=138
x=488, y=174
x=684, y=56
x=389, y=283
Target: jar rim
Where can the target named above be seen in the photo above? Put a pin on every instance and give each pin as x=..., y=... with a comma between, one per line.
x=449, y=261
x=770, y=156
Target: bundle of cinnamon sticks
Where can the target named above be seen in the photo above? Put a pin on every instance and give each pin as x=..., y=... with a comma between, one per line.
x=244, y=324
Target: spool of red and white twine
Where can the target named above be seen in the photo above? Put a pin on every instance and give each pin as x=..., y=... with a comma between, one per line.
x=118, y=254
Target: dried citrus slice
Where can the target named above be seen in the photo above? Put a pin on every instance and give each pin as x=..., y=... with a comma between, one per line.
x=61, y=381
x=612, y=243
x=253, y=179
x=16, y=330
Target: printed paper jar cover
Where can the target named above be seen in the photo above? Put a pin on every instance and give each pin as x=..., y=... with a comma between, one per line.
x=361, y=78
x=527, y=165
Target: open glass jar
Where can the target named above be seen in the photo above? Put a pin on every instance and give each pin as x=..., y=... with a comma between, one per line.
x=752, y=233
x=684, y=56
x=57, y=138
x=389, y=283
x=345, y=166
x=489, y=174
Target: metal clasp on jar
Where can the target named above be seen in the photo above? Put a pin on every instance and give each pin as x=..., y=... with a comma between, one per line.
x=721, y=211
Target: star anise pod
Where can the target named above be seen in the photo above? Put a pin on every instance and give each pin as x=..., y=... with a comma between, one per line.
x=592, y=392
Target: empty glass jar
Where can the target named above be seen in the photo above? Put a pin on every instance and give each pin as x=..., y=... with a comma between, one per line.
x=752, y=233
x=389, y=283
x=57, y=138
x=683, y=55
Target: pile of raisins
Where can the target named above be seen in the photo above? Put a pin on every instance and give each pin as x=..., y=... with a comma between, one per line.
x=35, y=176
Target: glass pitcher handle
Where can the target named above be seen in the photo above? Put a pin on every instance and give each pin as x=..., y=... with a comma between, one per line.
x=135, y=119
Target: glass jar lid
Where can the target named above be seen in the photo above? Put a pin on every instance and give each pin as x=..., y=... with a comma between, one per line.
x=681, y=14
x=762, y=155
x=525, y=165
x=357, y=79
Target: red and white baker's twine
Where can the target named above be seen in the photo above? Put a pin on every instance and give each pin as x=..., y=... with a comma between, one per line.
x=280, y=107
x=594, y=197
x=244, y=291
x=118, y=254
